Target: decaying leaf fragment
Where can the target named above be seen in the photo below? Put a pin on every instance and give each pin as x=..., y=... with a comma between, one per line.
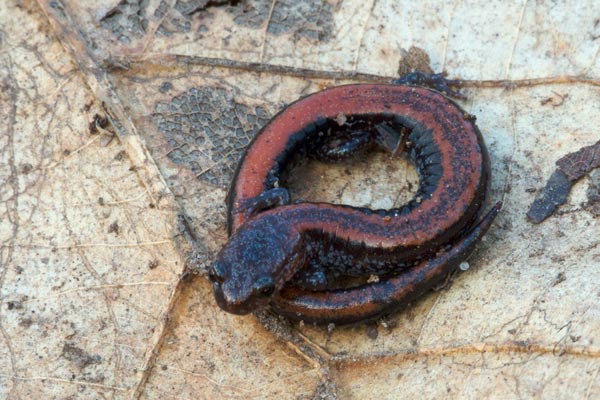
x=570, y=169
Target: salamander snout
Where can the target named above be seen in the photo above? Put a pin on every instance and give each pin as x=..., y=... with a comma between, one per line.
x=231, y=294
x=228, y=292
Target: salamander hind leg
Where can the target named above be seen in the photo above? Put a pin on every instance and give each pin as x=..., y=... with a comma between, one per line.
x=357, y=135
x=340, y=146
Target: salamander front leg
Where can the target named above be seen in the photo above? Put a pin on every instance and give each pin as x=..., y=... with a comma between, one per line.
x=264, y=201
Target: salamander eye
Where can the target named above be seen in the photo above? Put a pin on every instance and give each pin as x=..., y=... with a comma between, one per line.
x=212, y=276
x=264, y=287
x=215, y=273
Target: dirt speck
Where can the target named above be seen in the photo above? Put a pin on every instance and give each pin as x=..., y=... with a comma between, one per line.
x=414, y=59
x=114, y=228
x=78, y=356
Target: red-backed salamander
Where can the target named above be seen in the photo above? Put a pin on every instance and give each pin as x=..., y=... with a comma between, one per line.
x=290, y=255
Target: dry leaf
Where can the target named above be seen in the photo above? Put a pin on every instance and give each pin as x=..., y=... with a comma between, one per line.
x=96, y=218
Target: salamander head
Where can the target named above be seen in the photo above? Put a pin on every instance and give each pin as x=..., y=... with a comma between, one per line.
x=255, y=263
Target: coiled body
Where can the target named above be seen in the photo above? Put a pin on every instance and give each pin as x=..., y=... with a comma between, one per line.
x=287, y=255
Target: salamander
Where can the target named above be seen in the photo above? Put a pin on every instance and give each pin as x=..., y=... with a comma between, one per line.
x=290, y=255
